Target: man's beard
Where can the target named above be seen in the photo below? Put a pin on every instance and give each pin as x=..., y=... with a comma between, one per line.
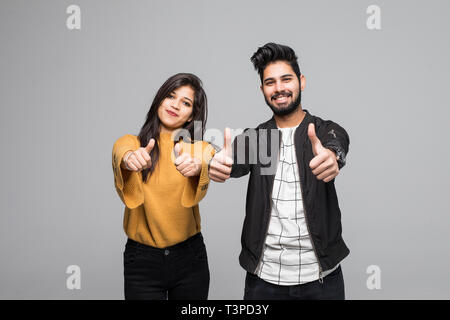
x=283, y=111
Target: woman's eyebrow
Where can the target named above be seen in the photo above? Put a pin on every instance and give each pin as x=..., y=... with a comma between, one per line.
x=188, y=99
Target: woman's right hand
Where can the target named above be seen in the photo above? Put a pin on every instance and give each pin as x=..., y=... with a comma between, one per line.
x=139, y=159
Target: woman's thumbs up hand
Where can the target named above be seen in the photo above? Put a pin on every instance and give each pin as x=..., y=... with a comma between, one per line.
x=139, y=159
x=185, y=163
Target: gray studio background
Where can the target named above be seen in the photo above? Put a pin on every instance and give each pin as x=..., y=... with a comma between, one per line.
x=67, y=95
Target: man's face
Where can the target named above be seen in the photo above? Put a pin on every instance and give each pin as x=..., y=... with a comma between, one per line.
x=281, y=88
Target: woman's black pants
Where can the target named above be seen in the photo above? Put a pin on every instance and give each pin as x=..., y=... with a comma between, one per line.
x=178, y=272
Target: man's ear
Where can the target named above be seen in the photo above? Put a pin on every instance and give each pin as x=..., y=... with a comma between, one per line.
x=302, y=82
x=261, y=87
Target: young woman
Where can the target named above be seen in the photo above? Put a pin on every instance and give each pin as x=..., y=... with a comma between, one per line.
x=161, y=182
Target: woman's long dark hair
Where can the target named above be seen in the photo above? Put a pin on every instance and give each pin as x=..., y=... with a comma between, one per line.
x=151, y=127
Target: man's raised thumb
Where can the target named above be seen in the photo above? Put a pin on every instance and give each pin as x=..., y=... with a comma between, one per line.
x=227, y=142
x=315, y=142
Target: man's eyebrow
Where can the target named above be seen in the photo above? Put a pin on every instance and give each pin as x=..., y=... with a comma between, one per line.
x=268, y=79
x=283, y=76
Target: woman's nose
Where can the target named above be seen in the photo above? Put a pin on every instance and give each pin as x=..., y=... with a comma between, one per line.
x=176, y=104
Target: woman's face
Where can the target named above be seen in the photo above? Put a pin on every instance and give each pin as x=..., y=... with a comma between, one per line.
x=176, y=109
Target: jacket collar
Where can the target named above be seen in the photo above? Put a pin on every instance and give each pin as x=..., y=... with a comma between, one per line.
x=271, y=124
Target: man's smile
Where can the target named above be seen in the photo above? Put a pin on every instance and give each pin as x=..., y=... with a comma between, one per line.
x=281, y=97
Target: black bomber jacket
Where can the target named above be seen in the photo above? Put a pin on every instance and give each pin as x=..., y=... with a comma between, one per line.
x=256, y=151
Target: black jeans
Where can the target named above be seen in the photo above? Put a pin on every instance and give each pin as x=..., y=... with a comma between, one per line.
x=177, y=272
x=332, y=288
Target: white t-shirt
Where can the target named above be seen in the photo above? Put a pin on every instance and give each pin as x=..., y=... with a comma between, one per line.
x=288, y=257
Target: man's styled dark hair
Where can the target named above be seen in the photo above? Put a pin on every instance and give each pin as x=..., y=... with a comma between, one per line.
x=272, y=52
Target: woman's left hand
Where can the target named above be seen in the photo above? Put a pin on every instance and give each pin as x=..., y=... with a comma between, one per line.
x=185, y=164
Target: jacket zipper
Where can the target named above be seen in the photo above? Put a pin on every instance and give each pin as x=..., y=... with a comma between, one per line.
x=270, y=209
x=306, y=219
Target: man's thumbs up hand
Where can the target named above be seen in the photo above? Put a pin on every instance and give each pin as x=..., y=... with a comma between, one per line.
x=220, y=165
x=324, y=164
x=186, y=165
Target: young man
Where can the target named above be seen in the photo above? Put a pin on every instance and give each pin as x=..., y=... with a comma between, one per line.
x=291, y=240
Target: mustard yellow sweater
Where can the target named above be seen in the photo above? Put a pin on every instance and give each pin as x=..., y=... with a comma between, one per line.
x=164, y=210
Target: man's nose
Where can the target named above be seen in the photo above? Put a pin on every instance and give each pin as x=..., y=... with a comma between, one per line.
x=279, y=87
